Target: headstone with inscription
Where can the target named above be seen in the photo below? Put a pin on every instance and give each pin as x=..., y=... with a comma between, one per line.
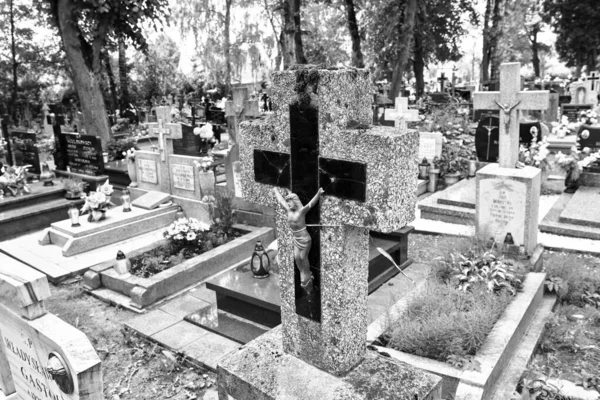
x=303, y=148
x=582, y=93
x=430, y=145
x=507, y=199
x=572, y=111
x=83, y=153
x=41, y=356
x=24, y=150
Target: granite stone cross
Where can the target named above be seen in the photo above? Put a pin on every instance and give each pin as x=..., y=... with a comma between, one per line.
x=318, y=137
x=401, y=114
x=510, y=101
x=164, y=130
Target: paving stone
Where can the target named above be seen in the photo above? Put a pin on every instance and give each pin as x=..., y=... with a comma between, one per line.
x=205, y=294
x=210, y=349
x=179, y=335
x=183, y=305
x=153, y=322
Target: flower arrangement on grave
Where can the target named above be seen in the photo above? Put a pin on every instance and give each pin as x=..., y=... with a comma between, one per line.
x=117, y=148
x=536, y=155
x=98, y=202
x=207, y=138
x=204, y=164
x=573, y=164
x=74, y=188
x=187, y=234
x=14, y=180
x=129, y=155
x=565, y=127
x=45, y=143
x=451, y=119
x=455, y=158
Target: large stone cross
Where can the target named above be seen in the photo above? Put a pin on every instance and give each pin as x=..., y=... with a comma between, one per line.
x=369, y=179
x=510, y=101
x=164, y=130
x=401, y=114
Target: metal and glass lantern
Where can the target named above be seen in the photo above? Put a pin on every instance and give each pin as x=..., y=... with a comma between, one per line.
x=180, y=214
x=47, y=176
x=74, y=215
x=424, y=169
x=123, y=264
x=260, y=263
x=126, y=201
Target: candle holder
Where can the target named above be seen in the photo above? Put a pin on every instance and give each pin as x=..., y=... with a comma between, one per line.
x=260, y=263
x=74, y=215
x=126, y=201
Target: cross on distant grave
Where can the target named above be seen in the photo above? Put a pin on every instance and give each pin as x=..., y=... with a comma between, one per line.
x=164, y=130
x=594, y=76
x=441, y=80
x=401, y=114
x=510, y=101
x=369, y=179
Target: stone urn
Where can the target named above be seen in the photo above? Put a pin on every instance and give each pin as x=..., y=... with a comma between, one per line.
x=132, y=172
x=207, y=182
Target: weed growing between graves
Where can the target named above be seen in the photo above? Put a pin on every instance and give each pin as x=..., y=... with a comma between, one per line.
x=570, y=347
x=452, y=316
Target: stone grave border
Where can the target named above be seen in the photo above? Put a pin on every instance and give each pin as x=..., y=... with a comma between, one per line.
x=143, y=292
x=494, y=355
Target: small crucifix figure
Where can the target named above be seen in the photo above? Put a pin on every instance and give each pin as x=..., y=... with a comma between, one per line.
x=401, y=114
x=489, y=127
x=510, y=101
x=441, y=80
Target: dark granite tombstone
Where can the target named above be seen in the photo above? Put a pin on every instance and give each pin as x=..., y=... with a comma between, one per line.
x=572, y=110
x=564, y=99
x=83, y=153
x=478, y=115
x=440, y=98
x=188, y=144
x=27, y=153
x=589, y=136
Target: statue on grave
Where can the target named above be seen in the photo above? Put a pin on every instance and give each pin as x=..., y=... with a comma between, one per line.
x=296, y=216
x=507, y=110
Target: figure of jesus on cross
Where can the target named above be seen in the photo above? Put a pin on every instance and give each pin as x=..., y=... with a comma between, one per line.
x=510, y=100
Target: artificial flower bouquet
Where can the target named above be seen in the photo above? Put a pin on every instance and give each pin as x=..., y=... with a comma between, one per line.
x=98, y=202
x=14, y=180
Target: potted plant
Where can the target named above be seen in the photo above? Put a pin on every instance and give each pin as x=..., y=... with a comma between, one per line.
x=74, y=188
x=14, y=180
x=98, y=202
x=454, y=162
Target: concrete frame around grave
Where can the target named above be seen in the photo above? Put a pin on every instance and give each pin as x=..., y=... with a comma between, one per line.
x=337, y=343
x=523, y=202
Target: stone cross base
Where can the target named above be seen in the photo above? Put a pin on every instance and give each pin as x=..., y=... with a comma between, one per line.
x=261, y=370
x=507, y=206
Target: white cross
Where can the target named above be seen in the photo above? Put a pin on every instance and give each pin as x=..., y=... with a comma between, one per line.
x=173, y=131
x=510, y=101
x=401, y=114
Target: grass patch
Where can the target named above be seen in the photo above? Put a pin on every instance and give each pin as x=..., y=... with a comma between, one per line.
x=442, y=321
x=574, y=279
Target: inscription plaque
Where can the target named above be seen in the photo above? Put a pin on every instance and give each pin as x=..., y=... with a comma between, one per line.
x=183, y=176
x=502, y=209
x=148, y=171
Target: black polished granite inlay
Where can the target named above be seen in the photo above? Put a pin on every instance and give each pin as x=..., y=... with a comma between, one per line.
x=304, y=172
x=343, y=179
x=272, y=168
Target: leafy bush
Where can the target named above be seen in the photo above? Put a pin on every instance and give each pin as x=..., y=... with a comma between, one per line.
x=445, y=324
x=576, y=286
x=117, y=147
x=224, y=213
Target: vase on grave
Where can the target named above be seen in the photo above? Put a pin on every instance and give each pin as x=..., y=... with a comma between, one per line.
x=434, y=175
x=96, y=215
x=451, y=178
x=572, y=180
x=207, y=182
x=132, y=172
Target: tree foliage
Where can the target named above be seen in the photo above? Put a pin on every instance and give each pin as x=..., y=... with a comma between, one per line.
x=577, y=26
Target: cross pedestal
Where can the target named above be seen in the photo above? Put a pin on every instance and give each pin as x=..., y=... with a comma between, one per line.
x=401, y=114
x=507, y=202
x=369, y=178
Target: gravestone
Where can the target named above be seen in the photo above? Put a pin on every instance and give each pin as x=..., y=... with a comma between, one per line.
x=32, y=340
x=589, y=136
x=487, y=137
x=319, y=351
x=507, y=200
x=29, y=151
x=400, y=115
x=83, y=153
x=572, y=111
x=594, y=78
x=442, y=79
x=430, y=145
x=582, y=93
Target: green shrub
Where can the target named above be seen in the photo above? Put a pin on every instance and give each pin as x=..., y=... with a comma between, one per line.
x=116, y=147
x=574, y=283
x=442, y=321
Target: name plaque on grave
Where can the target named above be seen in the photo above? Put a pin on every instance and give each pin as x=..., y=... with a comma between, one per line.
x=83, y=154
x=188, y=144
x=572, y=110
x=148, y=171
x=183, y=176
x=27, y=147
x=502, y=209
x=427, y=148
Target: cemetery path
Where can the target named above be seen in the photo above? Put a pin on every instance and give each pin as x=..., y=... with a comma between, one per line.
x=131, y=367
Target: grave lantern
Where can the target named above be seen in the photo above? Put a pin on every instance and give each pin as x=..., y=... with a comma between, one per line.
x=126, y=201
x=260, y=263
x=123, y=264
x=46, y=176
x=424, y=169
x=180, y=214
x=74, y=215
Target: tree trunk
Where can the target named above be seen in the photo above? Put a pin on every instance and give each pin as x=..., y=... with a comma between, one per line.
x=124, y=105
x=227, y=45
x=357, y=56
x=280, y=44
x=495, y=53
x=111, y=82
x=535, y=56
x=408, y=29
x=288, y=48
x=299, y=49
x=84, y=71
x=419, y=66
x=485, y=58
x=13, y=46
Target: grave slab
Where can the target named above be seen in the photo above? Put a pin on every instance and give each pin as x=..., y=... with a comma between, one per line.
x=262, y=370
x=50, y=260
x=579, y=210
x=552, y=224
x=455, y=204
x=117, y=226
x=508, y=205
x=151, y=200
